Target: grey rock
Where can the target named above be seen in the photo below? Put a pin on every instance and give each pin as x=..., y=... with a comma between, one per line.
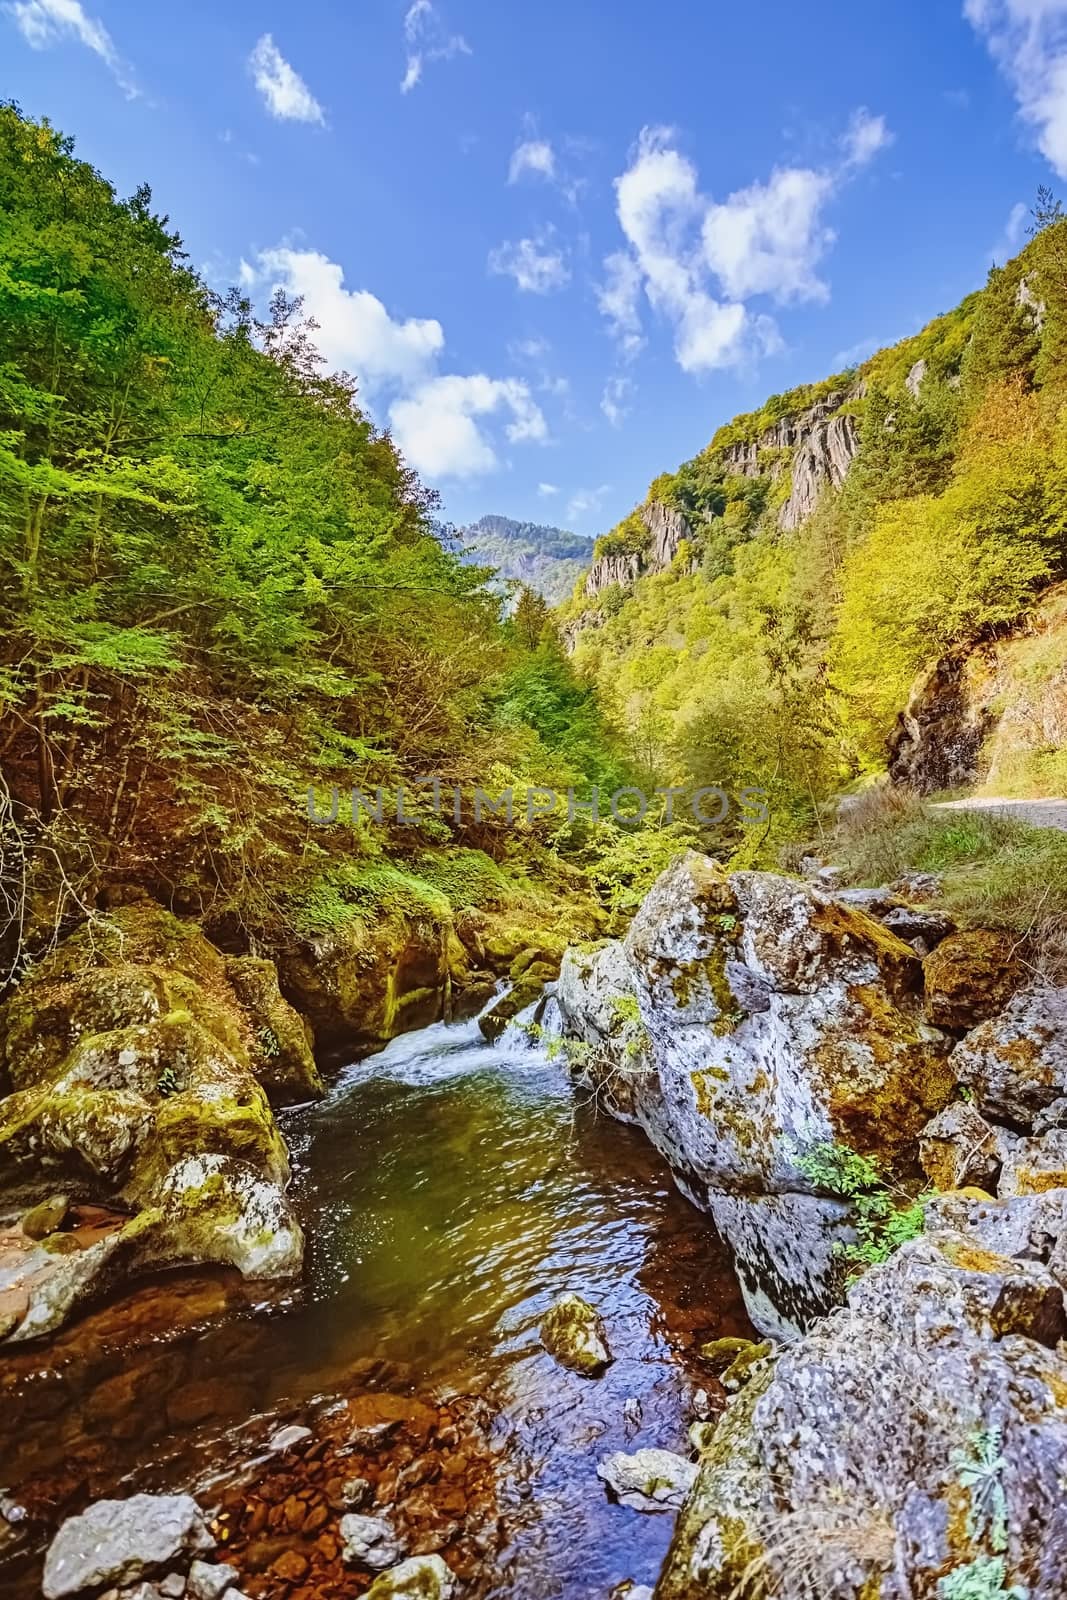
x=911, y=922
x=876, y=902
x=369, y=1541
x=958, y=1147
x=119, y=1541
x=823, y=458
x=285, y=1438
x=649, y=1480
x=1016, y=1063
x=419, y=1578
x=235, y=1594
x=210, y=1582
x=914, y=381
x=1053, y=1116
x=668, y=528
x=774, y=1016
x=172, y=1587
x=573, y=1332
x=1026, y=1227
x=620, y=569
x=863, y=1425
x=1032, y=1166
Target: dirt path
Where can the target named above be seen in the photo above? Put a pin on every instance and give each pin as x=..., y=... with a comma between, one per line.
x=1038, y=813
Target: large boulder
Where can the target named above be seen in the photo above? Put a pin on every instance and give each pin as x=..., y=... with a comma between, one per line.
x=1015, y=1064
x=141, y=1060
x=970, y=976
x=745, y=1021
x=119, y=1541
x=919, y=1434
x=959, y=1148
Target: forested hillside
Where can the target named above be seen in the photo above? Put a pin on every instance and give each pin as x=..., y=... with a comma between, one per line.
x=761, y=618
x=222, y=584
x=546, y=559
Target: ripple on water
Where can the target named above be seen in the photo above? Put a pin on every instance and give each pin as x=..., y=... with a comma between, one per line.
x=451, y=1190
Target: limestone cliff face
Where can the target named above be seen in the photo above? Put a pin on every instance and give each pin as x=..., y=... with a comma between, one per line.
x=824, y=443
x=667, y=528
x=819, y=445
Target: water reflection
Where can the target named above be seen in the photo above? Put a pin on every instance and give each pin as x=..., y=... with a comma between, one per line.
x=450, y=1190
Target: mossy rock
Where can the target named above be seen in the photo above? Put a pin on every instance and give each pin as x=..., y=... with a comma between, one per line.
x=282, y=1044
x=362, y=985
x=971, y=976
x=136, y=1076
x=719, y=1353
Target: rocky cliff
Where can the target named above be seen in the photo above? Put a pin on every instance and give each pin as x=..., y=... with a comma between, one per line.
x=666, y=527
x=995, y=715
x=817, y=446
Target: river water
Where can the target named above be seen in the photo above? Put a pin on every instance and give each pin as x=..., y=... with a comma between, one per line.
x=450, y=1190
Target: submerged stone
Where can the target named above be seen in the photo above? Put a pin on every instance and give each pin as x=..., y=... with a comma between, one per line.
x=369, y=1541
x=648, y=1480
x=573, y=1332
x=119, y=1541
x=46, y=1217
x=211, y=1582
x=420, y=1578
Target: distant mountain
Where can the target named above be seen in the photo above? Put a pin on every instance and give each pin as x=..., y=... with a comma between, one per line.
x=548, y=560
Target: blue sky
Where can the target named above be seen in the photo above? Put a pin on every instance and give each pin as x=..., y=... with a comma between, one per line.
x=560, y=243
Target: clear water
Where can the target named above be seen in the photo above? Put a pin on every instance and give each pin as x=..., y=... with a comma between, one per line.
x=450, y=1190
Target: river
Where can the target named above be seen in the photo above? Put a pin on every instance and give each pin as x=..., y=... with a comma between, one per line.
x=450, y=1191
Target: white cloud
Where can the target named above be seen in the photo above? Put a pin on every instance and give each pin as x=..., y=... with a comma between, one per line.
x=547, y=490
x=555, y=384
x=586, y=502
x=435, y=426
x=535, y=156
x=1011, y=239
x=866, y=136
x=285, y=94
x=46, y=22
x=427, y=40
x=698, y=262
x=619, y=299
x=617, y=391
x=533, y=349
x=434, y=416
x=537, y=265
x=355, y=330
x=659, y=205
x=768, y=238
x=1028, y=40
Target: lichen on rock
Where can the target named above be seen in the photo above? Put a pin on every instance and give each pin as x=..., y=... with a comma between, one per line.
x=867, y=1462
x=774, y=1017
x=573, y=1332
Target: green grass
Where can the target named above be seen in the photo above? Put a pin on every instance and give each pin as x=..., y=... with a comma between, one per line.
x=996, y=872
